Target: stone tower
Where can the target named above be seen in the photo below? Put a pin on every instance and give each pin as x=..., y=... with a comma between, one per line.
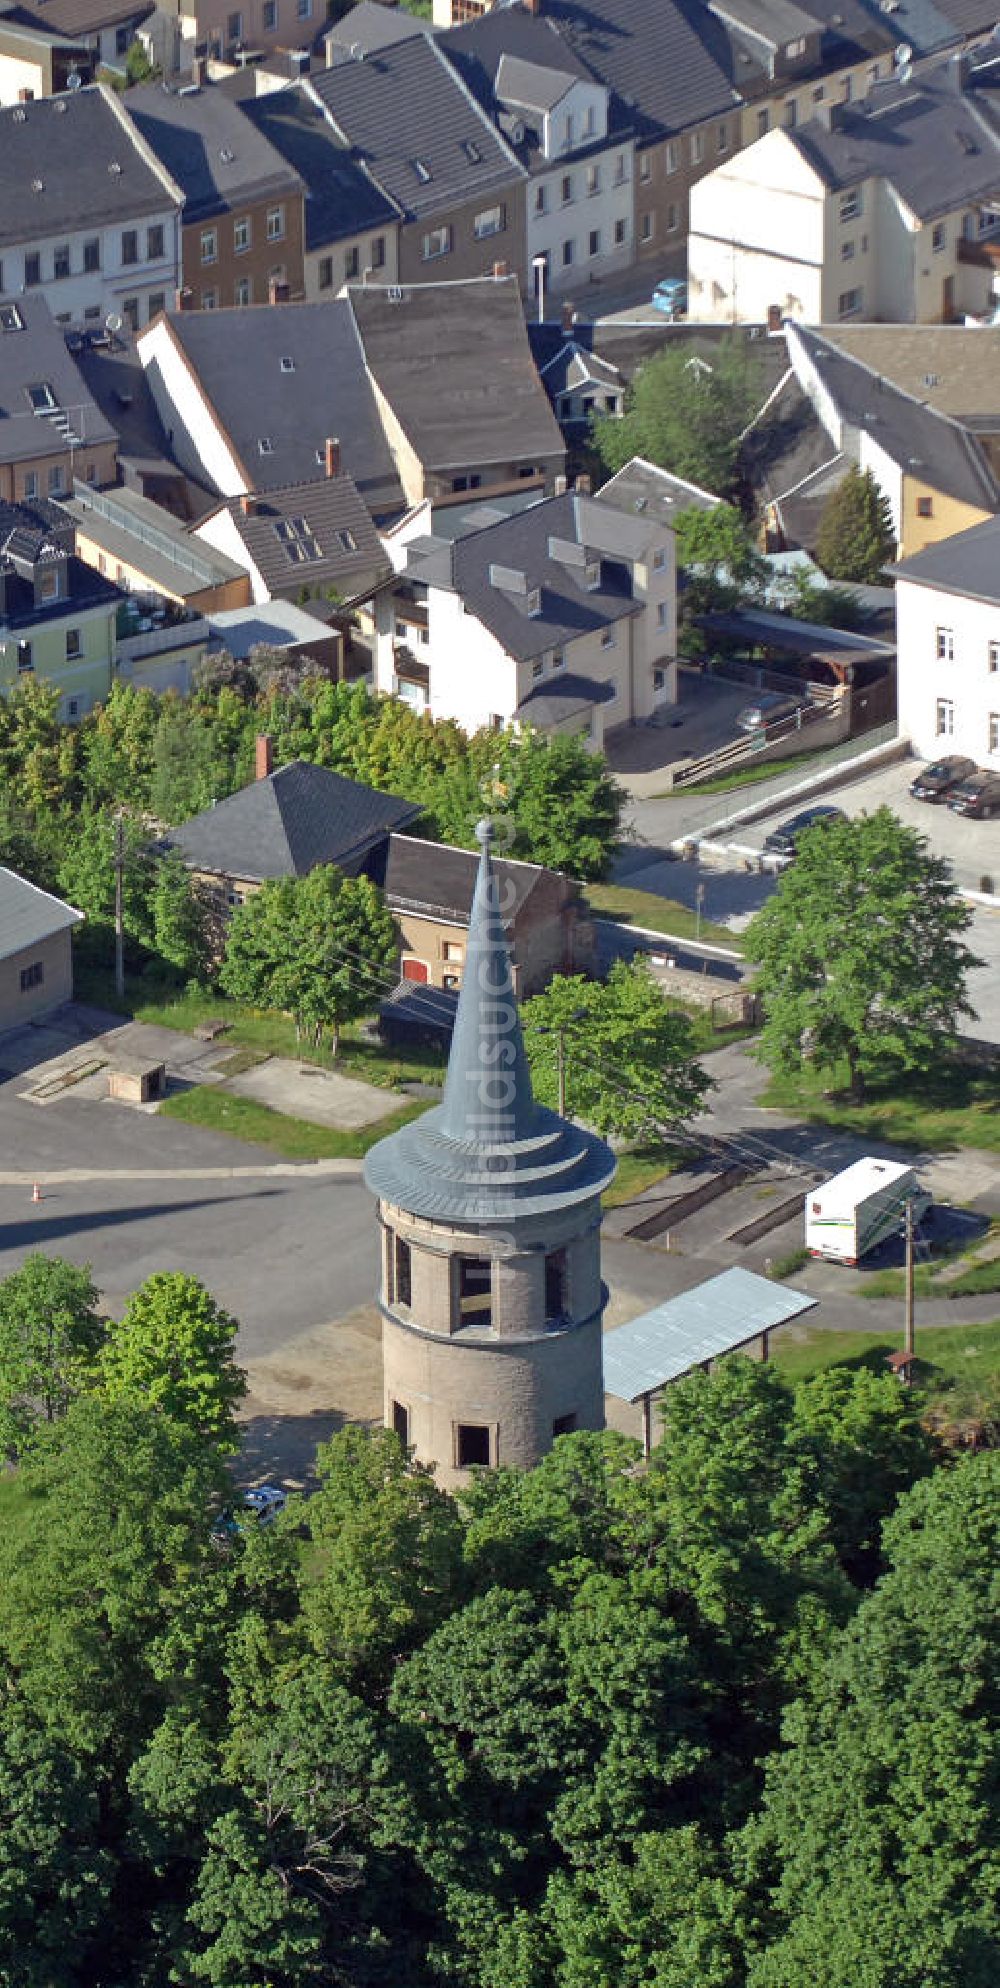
x=490, y=1209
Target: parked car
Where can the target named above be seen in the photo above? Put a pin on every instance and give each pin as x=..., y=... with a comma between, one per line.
x=978, y=796
x=783, y=841
x=935, y=782
x=265, y=1501
x=671, y=297
x=771, y=708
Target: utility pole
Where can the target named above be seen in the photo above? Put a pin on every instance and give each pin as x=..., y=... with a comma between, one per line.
x=699, y=899
x=119, y=905
x=561, y=1069
x=908, y=1346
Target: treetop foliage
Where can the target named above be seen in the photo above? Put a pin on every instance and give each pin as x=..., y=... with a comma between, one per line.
x=856, y=538
x=685, y=412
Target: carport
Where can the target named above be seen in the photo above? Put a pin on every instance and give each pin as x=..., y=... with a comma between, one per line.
x=720, y=1316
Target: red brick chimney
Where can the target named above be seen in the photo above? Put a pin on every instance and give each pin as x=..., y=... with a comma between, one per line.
x=248, y=504
x=265, y=755
x=332, y=455
x=500, y=269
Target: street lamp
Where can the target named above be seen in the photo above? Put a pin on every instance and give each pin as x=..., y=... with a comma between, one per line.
x=539, y=264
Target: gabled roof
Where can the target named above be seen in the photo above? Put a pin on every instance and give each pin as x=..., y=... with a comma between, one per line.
x=526, y=548
x=28, y=915
x=953, y=368
x=420, y=134
x=342, y=199
x=75, y=18
x=317, y=534
x=33, y=353
x=508, y=57
x=671, y=65
x=488, y=1153
x=922, y=442
x=369, y=27
x=32, y=533
x=454, y=363
x=218, y=157
x=790, y=462
x=647, y=491
x=436, y=879
x=74, y=161
x=967, y=564
x=286, y=824
x=931, y=139
x=531, y=86
x=290, y=377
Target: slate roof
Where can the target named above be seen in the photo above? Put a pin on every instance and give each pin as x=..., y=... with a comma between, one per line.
x=369, y=27
x=27, y=533
x=789, y=461
x=440, y=881
x=29, y=915
x=29, y=356
x=671, y=65
x=644, y=490
x=953, y=368
x=74, y=18
x=521, y=545
x=488, y=1153
x=404, y=106
x=968, y=564
x=931, y=446
x=563, y=697
x=116, y=379
x=326, y=392
x=285, y=825
x=341, y=196
x=56, y=160
x=932, y=141
x=454, y=363
x=327, y=508
x=509, y=57
x=219, y=158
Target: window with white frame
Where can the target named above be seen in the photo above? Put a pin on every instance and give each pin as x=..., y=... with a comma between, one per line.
x=275, y=224
x=944, y=639
x=209, y=245
x=435, y=243
x=697, y=147
x=489, y=222
x=944, y=724
x=241, y=235
x=849, y=303
x=850, y=205
x=593, y=179
x=994, y=732
x=993, y=657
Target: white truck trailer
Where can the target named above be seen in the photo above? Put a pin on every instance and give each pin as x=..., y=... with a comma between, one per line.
x=849, y=1214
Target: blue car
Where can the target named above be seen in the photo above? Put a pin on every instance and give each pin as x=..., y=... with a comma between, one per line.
x=671, y=297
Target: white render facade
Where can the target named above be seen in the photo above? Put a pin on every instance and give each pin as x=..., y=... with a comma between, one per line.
x=580, y=206
x=767, y=235
x=949, y=673
x=466, y=674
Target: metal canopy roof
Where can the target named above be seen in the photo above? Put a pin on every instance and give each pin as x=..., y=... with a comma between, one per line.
x=701, y=1324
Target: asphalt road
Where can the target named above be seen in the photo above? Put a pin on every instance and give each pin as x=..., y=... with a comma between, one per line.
x=282, y=1246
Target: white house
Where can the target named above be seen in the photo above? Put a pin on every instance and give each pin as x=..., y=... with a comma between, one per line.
x=883, y=209
x=561, y=616
x=88, y=215
x=948, y=639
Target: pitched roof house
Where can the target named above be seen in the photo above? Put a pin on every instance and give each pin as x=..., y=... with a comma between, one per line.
x=51, y=428
x=311, y=539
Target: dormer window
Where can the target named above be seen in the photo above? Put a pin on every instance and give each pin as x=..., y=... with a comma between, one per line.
x=287, y=365
x=265, y=446
x=422, y=171
x=42, y=398
x=11, y=318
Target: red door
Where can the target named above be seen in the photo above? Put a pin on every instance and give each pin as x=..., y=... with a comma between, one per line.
x=414, y=969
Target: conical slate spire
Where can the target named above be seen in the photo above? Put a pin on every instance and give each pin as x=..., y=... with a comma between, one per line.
x=488, y=1100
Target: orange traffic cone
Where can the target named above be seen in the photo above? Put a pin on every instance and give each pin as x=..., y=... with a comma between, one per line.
x=36, y=1192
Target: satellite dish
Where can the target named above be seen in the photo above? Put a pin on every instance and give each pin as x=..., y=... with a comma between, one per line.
x=112, y=322
x=74, y=80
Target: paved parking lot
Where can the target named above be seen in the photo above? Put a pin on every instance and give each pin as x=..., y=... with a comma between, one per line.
x=971, y=847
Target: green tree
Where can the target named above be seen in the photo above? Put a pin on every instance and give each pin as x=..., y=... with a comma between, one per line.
x=686, y=412
x=863, y=1435
x=856, y=539
x=629, y=1058
x=50, y=1335
x=173, y=1352
x=55, y=1876
x=322, y=948
x=87, y=875
x=859, y=952
x=876, y=1848
x=564, y=805
x=180, y=925
x=719, y=568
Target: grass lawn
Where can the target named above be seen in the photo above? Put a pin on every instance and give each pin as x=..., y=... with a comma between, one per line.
x=657, y=914
x=950, y=1356
x=294, y=1138
x=750, y=774
x=954, y=1106
x=640, y=1169
x=255, y=1030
